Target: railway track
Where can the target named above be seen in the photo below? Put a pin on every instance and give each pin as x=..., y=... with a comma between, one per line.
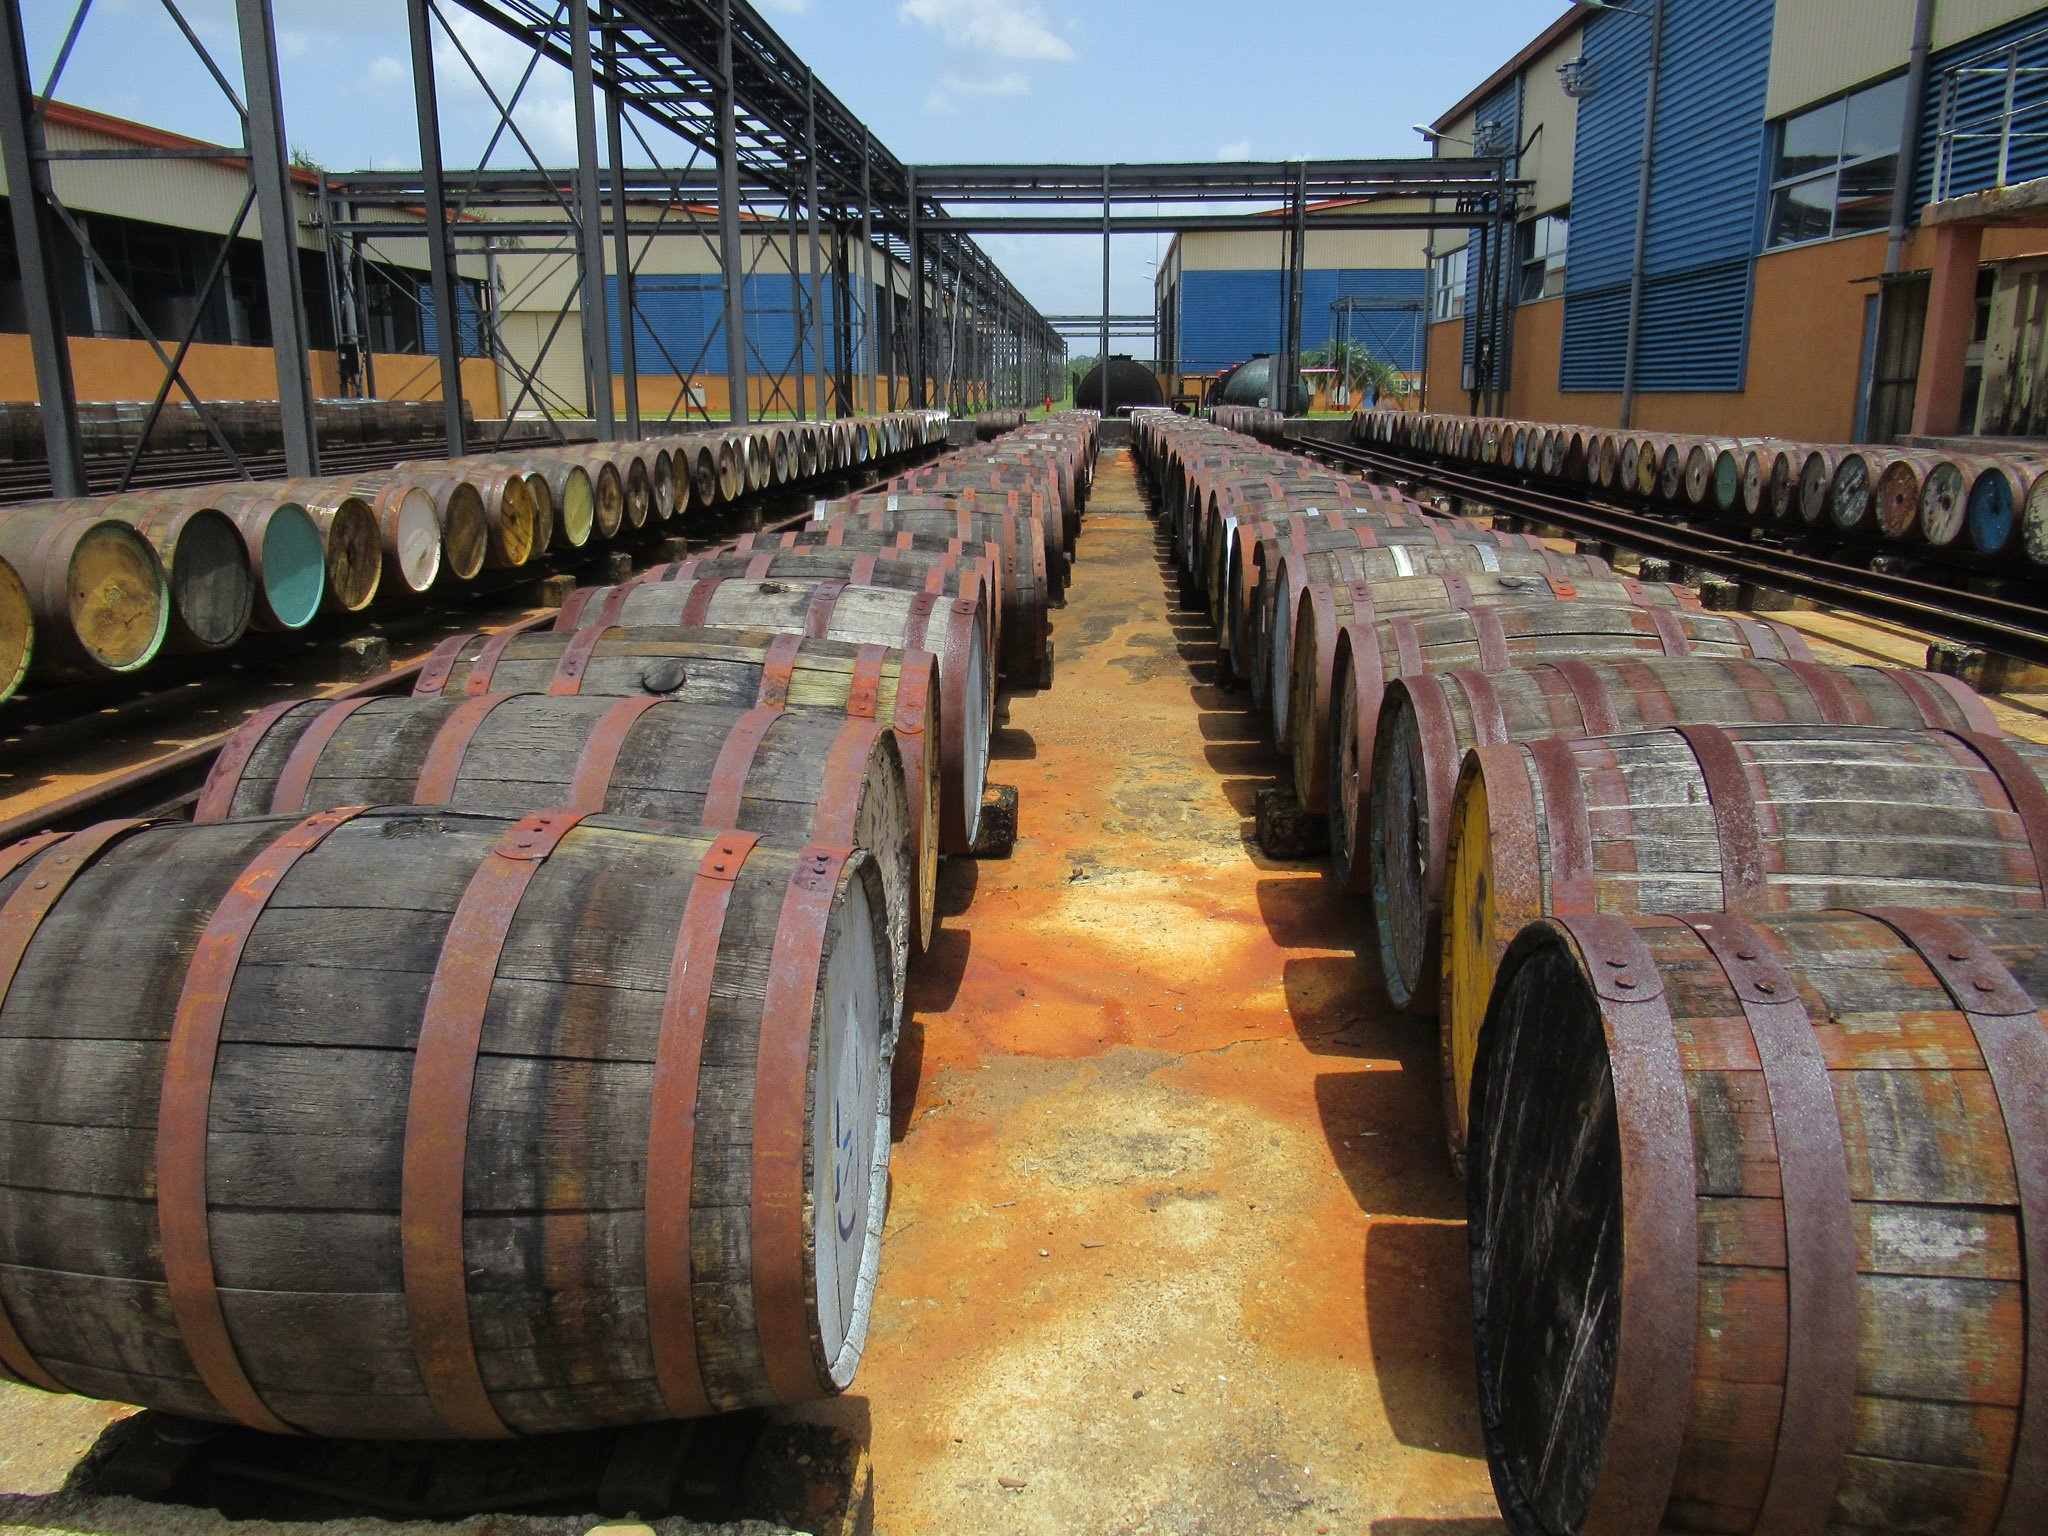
x=1993, y=623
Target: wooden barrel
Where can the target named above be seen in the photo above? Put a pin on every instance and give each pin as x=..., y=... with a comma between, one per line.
x=1371, y=651
x=1816, y=480
x=346, y=525
x=1756, y=1219
x=1028, y=511
x=798, y=776
x=17, y=631
x=945, y=572
x=287, y=560
x=97, y=597
x=2034, y=521
x=1996, y=499
x=511, y=516
x=1751, y=818
x=426, y=1123
x=465, y=529
x=1354, y=592
x=1024, y=592
x=1896, y=500
x=1236, y=565
x=1428, y=723
x=1852, y=494
x=951, y=629
x=1286, y=563
x=213, y=591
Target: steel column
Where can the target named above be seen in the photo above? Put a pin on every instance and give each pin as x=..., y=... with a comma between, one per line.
x=597, y=345
x=870, y=336
x=730, y=257
x=277, y=211
x=917, y=375
x=440, y=260
x=1102, y=352
x=615, y=155
x=811, y=196
x=35, y=243
x=1297, y=269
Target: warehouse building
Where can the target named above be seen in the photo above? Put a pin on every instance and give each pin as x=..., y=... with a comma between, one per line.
x=135, y=274
x=1777, y=282
x=1221, y=299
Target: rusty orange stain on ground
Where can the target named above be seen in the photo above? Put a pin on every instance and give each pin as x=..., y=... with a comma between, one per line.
x=1173, y=1245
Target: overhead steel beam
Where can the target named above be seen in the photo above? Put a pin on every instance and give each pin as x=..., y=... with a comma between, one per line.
x=596, y=322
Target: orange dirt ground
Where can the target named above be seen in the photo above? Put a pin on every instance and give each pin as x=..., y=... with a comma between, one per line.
x=1174, y=1244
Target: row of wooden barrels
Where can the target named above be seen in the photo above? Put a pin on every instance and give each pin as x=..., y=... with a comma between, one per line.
x=1738, y=962
x=107, y=427
x=105, y=584
x=512, y=1057
x=1983, y=504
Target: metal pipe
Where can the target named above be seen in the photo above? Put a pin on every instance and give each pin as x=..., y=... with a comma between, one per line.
x=278, y=216
x=730, y=258
x=1297, y=277
x=917, y=379
x=1909, y=133
x=796, y=308
x=870, y=337
x=440, y=274
x=597, y=346
x=1642, y=240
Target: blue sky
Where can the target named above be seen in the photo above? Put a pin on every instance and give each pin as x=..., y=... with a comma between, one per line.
x=938, y=80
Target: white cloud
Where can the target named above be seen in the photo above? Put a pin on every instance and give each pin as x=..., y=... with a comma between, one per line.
x=1241, y=150
x=1005, y=29
x=1010, y=83
x=388, y=73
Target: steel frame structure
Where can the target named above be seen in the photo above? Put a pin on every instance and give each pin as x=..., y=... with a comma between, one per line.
x=771, y=155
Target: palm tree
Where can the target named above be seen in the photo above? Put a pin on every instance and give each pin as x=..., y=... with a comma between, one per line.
x=1364, y=371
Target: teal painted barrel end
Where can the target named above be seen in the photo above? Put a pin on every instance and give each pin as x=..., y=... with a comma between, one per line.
x=294, y=566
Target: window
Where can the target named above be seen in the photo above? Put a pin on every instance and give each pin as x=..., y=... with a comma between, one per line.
x=1447, y=286
x=1836, y=163
x=1539, y=248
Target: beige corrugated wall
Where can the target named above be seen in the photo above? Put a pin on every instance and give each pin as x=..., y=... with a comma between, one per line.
x=1820, y=48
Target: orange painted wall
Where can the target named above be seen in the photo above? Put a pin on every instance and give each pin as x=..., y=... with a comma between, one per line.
x=106, y=369
x=1805, y=349
x=661, y=393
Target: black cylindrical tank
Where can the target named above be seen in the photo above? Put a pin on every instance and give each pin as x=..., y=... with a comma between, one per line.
x=1130, y=383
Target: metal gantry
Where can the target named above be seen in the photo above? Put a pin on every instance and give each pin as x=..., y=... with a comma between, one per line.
x=712, y=132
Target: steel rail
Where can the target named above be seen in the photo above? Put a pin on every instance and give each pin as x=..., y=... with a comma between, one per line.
x=1991, y=623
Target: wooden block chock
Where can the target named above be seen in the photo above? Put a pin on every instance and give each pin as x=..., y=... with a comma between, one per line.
x=552, y=591
x=996, y=836
x=1044, y=679
x=1986, y=671
x=1654, y=568
x=615, y=567
x=1754, y=599
x=1719, y=595
x=673, y=548
x=1284, y=830
x=366, y=656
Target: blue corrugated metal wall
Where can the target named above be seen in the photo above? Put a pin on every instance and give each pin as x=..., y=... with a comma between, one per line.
x=1705, y=198
x=469, y=331
x=1496, y=122
x=1227, y=317
x=1974, y=164
x=679, y=311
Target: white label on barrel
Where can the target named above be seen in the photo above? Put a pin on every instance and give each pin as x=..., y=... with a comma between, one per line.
x=1401, y=561
x=818, y=512
x=1488, y=558
x=892, y=503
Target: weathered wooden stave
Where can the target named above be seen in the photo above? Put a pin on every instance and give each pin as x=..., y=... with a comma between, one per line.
x=1306, y=587
x=1428, y=722
x=798, y=776
x=1744, y=818
x=1775, y=1188
x=729, y=667
x=1371, y=651
x=535, y=1265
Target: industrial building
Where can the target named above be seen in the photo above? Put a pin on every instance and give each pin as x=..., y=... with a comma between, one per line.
x=1760, y=263
x=1221, y=299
